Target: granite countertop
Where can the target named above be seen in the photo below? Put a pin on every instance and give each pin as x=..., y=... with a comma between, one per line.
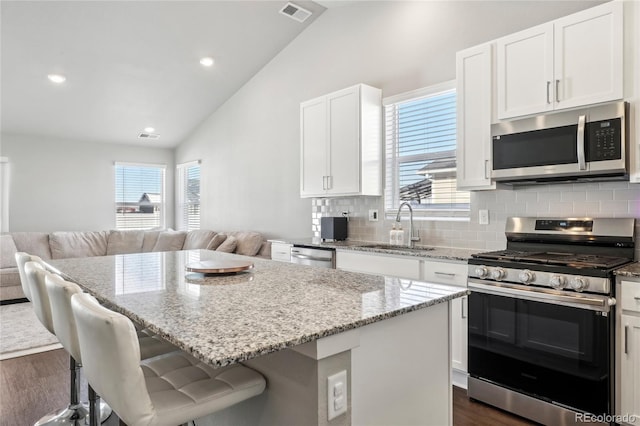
x=231, y=318
x=630, y=270
x=433, y=252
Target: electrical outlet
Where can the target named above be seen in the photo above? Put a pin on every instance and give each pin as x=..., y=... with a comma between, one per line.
x=483, y=217
x=373, y=215
x=337, y=394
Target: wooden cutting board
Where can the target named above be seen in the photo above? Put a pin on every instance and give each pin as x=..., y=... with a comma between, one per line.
x=225, y=266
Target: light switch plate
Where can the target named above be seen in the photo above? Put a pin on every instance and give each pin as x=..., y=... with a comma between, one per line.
x=483, y=217
x=337, y=394
x=373, y=215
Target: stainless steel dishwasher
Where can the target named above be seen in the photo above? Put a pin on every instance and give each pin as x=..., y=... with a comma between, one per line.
x=313, y=256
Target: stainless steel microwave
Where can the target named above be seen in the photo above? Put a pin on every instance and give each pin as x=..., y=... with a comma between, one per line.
x=585, y=144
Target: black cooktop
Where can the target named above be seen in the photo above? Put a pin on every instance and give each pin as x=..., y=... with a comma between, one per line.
x=554, y=258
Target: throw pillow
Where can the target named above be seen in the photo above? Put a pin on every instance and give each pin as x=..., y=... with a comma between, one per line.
x=8, y=252
x=229, y=245
x=170, y=241
x=216, y=241
x=249, y=243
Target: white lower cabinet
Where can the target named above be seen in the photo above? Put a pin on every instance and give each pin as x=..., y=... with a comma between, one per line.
x=280, y=251
x=429, y=270
x=628, y=353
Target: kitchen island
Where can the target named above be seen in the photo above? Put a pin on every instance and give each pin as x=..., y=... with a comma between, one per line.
x=298, y=326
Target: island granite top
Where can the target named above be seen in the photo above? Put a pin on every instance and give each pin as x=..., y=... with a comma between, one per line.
x=226, y=319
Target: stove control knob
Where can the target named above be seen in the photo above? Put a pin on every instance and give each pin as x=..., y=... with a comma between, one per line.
x=498, y=274
x=558, y=282
x=526, y=276
x=482, y=272
x=579, y=284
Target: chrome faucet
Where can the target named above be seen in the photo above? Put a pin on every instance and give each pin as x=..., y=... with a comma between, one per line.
x=411, y=238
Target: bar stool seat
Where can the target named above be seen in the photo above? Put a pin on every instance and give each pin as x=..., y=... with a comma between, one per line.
x=167, y=390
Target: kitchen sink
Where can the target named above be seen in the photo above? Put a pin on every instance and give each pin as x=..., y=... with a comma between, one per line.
x=397, y=248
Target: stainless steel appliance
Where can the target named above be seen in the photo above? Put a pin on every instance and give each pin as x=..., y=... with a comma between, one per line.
x=313, y=256
x=585, y=144
x=541, y=320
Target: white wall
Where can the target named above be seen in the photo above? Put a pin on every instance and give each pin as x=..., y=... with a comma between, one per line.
x=62, y=185
x=250, y=146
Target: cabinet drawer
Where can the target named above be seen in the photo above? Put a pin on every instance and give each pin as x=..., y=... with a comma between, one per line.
x=445, y=272
x=631, y=296
x=281, y=252
x=403, y=267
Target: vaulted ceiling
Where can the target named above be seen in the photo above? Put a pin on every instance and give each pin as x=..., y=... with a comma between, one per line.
x=130, y=65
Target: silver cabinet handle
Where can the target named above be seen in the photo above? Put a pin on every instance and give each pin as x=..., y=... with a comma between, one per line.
x=445, y=274
x=324, y=182
x=548, y=94
x=626, y=339
x=580, y=142
x=557, y=90
x=486, y=168
x=464, y=311
x=329, y=182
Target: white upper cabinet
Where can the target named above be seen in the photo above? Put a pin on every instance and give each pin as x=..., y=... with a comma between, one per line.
x=341, y=143
x=573, y=61
x=474, y=94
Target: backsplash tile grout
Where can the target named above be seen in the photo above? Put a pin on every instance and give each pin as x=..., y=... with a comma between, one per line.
x=606, y=199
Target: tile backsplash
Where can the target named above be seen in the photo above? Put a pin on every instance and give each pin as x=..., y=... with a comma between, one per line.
x=606, y=199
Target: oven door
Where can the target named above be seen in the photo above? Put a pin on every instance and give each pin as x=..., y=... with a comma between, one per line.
x=548, y=348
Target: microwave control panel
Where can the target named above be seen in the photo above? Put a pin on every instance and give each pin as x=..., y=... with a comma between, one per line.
x=604, y=140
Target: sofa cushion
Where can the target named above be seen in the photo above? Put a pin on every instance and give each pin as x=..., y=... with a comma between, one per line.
x=170, y=241
x=229, y=245
x=249, y=243
x=35, y=243
x=78, y=244
x=198, y=239
x=216, y=241
x=8, y=252
x=123, y=242
x=150, y=240
x=9, y=277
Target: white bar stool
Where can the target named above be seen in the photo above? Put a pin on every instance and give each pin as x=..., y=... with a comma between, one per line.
x=167, y=390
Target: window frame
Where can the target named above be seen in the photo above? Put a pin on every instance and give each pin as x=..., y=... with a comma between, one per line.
x=391, y=176
x=182, y=221
x=163, y=193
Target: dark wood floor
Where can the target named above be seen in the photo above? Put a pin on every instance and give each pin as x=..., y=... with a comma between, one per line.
x=34, y=385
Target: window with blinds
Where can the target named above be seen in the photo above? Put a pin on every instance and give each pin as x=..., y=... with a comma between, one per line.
x=188, y=196
x=140, y=199
x=420, y=139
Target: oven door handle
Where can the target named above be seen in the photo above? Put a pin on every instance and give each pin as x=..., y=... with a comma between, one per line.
x=591, y=302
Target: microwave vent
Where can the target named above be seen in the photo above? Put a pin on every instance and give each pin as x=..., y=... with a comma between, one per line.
x=295, y=12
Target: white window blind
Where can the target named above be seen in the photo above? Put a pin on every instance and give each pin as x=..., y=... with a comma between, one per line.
x=188, y=196
x=140, y=198
x=420, y=139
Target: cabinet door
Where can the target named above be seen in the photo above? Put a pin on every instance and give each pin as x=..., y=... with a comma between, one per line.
x=344, y=142
x=588, y=64
x=393, y=266
x=313, y=147
x=474, y=104
x=525, y=72
x=630, y=368
x=459, y=333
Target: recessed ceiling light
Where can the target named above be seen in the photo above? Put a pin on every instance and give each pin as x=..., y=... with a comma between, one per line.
x=149, y=129
x=57, y=78
x=206, y=62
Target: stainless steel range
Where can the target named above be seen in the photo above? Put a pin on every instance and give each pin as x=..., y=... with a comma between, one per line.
x=541, y=323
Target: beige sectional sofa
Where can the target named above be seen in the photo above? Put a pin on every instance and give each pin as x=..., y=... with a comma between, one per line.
x=62, y=245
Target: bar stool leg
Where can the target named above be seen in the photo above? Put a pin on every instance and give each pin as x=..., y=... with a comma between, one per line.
x=74, y=414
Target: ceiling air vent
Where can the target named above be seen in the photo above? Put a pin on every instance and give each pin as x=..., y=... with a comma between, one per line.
x=295, y=12
x=148, y=136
